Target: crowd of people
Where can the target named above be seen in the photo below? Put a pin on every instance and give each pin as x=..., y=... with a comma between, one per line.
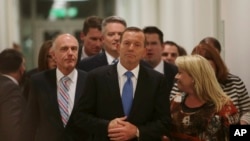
x=121, y=83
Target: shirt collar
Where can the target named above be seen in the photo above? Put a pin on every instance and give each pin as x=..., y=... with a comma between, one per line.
x=84, y=55
x=109, y=58
x=160, y=67
x=72, y=75
x=122, y=70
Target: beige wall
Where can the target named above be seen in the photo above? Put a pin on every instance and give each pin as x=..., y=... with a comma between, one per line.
x=9, y=25
x=183, y=21
x=236, y=19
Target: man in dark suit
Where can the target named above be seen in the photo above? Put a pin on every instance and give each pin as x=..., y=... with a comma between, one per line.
x=112, y=27
x=154, y=49
x=106, y=113
x=91, y=37
x=51, y=99
x=11, y=100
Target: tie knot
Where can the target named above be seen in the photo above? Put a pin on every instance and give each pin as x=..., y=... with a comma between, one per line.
x=114, y=61
x=65, y=78
x=129, y=74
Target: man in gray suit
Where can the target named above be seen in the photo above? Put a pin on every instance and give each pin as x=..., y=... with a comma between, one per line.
x=118, y=107
x=11, y=100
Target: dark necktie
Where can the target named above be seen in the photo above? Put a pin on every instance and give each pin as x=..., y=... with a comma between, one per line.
x=114, y=61
x=127, y=94
x=63, y=99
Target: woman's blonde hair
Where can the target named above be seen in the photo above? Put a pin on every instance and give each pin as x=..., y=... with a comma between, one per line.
x=206, y=85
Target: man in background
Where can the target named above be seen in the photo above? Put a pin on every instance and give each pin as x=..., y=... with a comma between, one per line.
x=91, y=37
x=171, y=51
x=12, y=101
x=154, y=48
x=112, y=28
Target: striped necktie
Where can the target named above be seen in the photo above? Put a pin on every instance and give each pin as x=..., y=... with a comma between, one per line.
x=63, y=98
x=127, y=94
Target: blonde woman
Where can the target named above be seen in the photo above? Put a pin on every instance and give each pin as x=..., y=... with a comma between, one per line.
x=203, y=111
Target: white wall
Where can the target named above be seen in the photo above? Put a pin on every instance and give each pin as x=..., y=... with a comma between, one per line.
x=235, y=15
x=183, y=21
x=9, y=25
x=188, y=21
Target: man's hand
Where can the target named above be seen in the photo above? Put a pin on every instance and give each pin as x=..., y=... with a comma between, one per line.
x=123, y=132
x=165, y=138
x=114, y=123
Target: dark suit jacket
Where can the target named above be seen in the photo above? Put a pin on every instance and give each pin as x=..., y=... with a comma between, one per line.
x=93, y=62
x=102, y=103
x=170, y=71
x=42, y=119
x=11, y=109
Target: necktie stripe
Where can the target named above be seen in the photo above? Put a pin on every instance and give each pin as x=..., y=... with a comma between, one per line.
x=61, y=103
x=63, y=94
x=65, y=86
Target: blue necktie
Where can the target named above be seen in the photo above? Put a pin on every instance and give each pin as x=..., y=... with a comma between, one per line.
x=127, y=94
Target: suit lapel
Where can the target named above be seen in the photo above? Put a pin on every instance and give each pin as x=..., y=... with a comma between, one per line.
x=102, y=59
x=52, y=94
x=79, y=87
x=140, y=91
x=113, y=84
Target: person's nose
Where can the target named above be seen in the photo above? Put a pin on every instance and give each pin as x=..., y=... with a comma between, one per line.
x=117, y=37
x=99, y=43
x=70, y=51
x=131, y=47
x=168, y=57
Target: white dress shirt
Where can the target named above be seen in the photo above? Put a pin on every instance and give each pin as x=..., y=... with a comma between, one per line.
x=109, y=58
x=160, y=67
x=83, y=55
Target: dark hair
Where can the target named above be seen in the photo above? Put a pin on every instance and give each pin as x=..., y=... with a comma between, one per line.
x=212, y=42
x=210, y=53
x=92, y=22
x=44, y=55
x=154, y=29
x=180, y=49
x=10, y=61
x=113, y=19
x=132, y=29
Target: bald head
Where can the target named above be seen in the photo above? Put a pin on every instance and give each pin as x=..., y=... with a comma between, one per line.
x=65, y=52
x=62, y=37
